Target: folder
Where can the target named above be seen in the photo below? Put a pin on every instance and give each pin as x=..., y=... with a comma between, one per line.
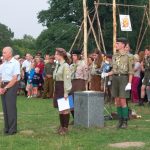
x=64, y=104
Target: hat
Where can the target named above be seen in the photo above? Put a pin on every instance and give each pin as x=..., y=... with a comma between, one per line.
x=122, y=39
x=62, y=51
x=77, y=52
x=109, y=56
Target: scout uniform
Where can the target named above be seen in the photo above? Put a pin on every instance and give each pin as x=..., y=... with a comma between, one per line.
x=95, y=78
x=122, y=67
x=79, y=75
x=62, y=78
x=146, y=80
x=48, y=82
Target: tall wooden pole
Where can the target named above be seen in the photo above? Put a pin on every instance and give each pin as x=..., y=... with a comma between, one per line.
x=114, y=26
x=85, y=30
x=149, y=8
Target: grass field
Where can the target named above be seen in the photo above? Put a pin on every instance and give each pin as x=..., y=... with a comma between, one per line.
x=38, y=120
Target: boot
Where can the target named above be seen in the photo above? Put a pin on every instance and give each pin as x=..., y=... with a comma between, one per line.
x=119, y=125
x=125, y=124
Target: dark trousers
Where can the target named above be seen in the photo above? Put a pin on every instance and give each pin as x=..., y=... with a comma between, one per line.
x=10, y=109
x=48, y=87
x=26, y=79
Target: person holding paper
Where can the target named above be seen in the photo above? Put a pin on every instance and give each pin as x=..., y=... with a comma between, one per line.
x=62, y=79
x=79, y=74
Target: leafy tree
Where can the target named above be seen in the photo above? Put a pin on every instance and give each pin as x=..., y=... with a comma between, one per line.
x=6, y=36
x=70, y=12
x=22, y=46
x=59, y=34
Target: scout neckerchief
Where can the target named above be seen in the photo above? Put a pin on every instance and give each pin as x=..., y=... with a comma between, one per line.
x=118, y=58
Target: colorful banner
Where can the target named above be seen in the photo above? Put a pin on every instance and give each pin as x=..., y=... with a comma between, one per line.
x=125, y=23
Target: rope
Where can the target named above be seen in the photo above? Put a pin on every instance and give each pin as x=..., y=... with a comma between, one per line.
x=137, y=45
x=142, y=37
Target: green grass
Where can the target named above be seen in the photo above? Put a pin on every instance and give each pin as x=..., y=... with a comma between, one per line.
x=39, y=116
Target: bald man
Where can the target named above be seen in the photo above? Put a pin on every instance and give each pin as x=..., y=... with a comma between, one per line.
x=9, y=76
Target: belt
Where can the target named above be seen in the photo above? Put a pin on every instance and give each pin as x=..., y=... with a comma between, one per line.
x=120, y=74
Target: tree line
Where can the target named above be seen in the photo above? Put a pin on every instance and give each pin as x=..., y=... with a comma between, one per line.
x=62, y=21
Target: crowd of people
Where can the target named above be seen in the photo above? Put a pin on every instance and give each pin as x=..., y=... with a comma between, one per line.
x=62, y=74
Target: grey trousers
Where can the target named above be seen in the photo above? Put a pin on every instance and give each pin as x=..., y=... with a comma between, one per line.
x=10, y=109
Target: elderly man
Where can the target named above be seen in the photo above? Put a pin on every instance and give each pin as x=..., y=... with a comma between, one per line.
x=10, y=74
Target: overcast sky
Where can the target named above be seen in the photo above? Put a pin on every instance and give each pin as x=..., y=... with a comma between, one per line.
x=21, y=16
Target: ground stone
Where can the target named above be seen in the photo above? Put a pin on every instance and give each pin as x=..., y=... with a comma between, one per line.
x=127, y=144
x=89, y=109
x=27, y=132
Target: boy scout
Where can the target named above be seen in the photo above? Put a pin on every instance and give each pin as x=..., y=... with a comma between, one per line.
x=122, y=72
x=49, y=82
x=146, y=80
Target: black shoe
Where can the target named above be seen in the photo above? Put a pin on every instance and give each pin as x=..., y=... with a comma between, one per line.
x=125, y=124
x=8, y=133
x=119, y=125
x=148, y=103
x=140, y=103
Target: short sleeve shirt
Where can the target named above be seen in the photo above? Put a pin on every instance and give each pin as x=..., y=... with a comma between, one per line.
x=9, y=69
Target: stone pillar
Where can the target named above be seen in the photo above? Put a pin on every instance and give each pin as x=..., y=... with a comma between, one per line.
x=89, y=109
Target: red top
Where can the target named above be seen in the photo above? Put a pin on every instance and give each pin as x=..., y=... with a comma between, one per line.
x=41, y=66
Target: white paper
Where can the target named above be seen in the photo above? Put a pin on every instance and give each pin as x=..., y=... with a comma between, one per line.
x=63, y=104
x=125, y=23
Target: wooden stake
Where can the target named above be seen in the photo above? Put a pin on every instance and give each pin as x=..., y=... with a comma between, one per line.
x=149, y=8
x=85, y=30
x=100, y=28
x=114, y=26
x=76, y=37
x=94, y=33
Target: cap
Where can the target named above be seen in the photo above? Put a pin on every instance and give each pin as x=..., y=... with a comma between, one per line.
x=77, y=52
x=122, y=39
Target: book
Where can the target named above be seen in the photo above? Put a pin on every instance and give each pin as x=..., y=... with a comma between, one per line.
x=64, y=104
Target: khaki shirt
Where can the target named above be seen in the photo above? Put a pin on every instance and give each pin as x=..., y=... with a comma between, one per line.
x=94, y=68
x=122, y=63
x=49, y=68
x=147, y=63
x=62, y=73
x=79, y=70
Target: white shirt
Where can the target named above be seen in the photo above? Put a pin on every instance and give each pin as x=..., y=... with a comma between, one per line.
x=137, y=67
x=8, y=69
x=27, y=65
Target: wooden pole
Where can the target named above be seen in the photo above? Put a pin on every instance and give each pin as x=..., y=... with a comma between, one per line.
x=121, y=5
x=76, y=38
x=85, y=30
x=149, y=8
x=94, y=34
x=114, y=26
x=99, y=25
